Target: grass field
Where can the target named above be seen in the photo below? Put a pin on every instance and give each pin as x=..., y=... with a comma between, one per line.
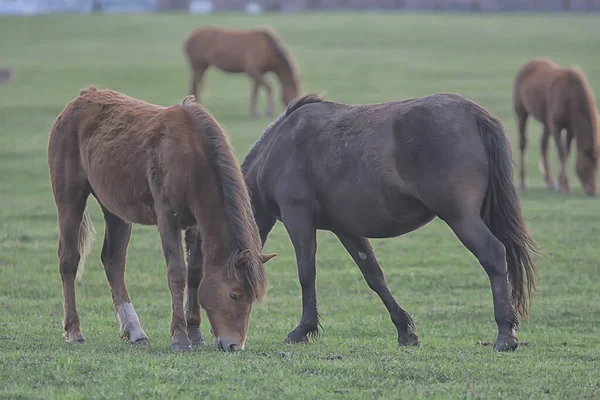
x=356, y=58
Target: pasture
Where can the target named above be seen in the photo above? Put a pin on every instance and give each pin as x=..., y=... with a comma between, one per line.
x=354, y=58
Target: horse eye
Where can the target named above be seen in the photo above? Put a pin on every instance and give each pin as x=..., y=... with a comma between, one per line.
x=232, y=296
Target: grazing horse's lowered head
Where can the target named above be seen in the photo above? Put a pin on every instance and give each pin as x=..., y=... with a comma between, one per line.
x=560, y=99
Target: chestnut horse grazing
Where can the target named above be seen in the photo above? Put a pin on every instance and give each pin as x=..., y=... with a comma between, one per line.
x=559, y=98
x=254, y=52
x=166, y=166
x=383, y=170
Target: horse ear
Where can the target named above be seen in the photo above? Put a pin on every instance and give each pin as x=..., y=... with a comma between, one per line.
x=242, y=257
x=267, y=257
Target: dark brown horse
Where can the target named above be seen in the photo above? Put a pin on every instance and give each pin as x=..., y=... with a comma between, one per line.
x=152, y=165
x=559, y=98
x=383, y=170
x=254, y=52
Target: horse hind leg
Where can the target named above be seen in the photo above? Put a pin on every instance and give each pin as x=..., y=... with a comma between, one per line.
x=75, y=233
x=361, y=251
x=114, y=253
x=475, y=236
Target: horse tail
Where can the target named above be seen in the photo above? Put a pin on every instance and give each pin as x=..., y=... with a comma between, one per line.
x=85, y=241
x=281, y=53
x=501, y=212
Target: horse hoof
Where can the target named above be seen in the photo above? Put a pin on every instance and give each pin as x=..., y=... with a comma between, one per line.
x=408, y=340
x=292, y=339
x=75, y=337
x=181, y=347
x=195, y=336
x=506, y=345
x=141, y=342
x=523, y=187
x=565, y=191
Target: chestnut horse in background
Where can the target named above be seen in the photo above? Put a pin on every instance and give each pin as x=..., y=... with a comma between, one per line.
x=254, y=52
x=166, y=166
x=559, y=98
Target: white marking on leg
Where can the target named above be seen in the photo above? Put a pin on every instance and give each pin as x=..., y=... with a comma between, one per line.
x=130, y=323
x=362, y=255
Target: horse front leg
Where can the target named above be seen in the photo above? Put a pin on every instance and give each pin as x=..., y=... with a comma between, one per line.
x=563, y=181
x=170, y=235
x=362, y=253
x=548, y=180
x=303, y=235
x=193, y=310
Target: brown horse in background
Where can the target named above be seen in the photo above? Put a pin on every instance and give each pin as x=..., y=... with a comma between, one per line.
x=166, y=166
x=254, y=52
x=559, y=98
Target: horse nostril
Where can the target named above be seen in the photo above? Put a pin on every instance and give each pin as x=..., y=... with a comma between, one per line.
x=234, y=347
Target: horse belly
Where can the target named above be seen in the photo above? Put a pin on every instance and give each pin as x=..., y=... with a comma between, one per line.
x=127, y=196
x=376, y=217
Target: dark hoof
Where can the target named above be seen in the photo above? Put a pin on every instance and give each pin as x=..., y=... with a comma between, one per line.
x=141, y=342
x=77, y=341
x=298, y=336
x=181, y=347
x=408, y=340
x=292, y=340
x=195, y=336
x=506, y=344
x=523, y=187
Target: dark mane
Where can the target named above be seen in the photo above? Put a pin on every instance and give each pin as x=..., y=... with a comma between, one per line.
x=268, y=132
x=239, y=217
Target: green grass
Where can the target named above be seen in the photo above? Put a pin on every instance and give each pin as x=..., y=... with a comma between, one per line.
x=356, y=58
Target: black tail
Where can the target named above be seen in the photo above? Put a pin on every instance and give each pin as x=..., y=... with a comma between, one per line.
x=501, y=213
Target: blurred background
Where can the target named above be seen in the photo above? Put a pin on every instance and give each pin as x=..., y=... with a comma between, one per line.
x=29, y=7
x=356, y=51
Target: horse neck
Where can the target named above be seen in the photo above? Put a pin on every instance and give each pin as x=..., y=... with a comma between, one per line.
x=210, y=219
x=286, y=76
x=586, y=131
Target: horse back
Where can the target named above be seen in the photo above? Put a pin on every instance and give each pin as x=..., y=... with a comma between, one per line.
x=229, y=50
x=531, y=87
x=382, y=159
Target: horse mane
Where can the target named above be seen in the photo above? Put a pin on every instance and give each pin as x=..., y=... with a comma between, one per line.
x=268, y=132
x=578, y=76
x=239, y=217
x=282, y=54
